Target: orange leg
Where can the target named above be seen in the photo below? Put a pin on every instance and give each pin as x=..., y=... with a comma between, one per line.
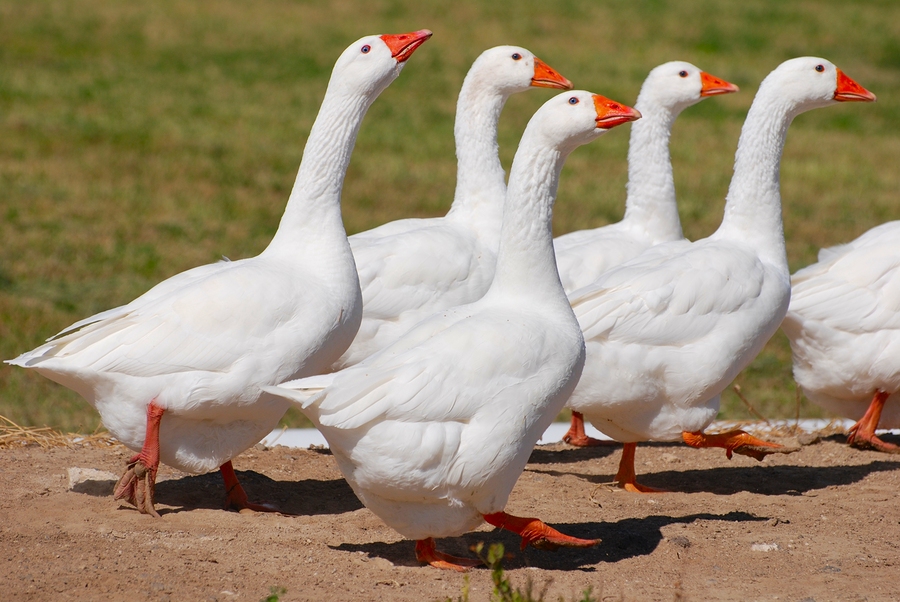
x=235, y=496
x=862, y=434
x=426, y=553
x=536, y=533
x=734, y=442
x=626, y=478
x=137, y=484
x=577, y=437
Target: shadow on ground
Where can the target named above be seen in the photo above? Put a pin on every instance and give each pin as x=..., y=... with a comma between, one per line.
x=764, y=480
x=620, y=540
x=562, y=453
x=303, y=497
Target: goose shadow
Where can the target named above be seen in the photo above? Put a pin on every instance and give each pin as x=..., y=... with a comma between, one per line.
x=561, y=453
x=301, y=498
x=763, y=480
x=620, y=540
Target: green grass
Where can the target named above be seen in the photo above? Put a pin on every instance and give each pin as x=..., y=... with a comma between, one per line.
x=138, y=140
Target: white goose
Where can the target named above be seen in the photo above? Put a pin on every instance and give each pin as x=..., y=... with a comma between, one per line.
x=651, y=213
x=666, y=332
x=411, y=268
x=844, y=327
x=177, y=373
x=433, y=431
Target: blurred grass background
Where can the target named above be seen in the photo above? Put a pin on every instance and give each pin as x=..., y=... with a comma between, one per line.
x=138, y=140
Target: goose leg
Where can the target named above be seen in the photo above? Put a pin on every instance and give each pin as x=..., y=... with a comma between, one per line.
x=577, y=437
x=137, y=484
x=235, y=496
x=862, y=434
x=426, y=553
x=536, y=533
x=626, y=478
x=736, y=441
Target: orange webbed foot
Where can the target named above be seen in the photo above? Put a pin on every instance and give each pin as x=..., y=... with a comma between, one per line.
x=869, y=441
x=862, y=434
x=626, y=478
x=236, y=497
x=426, y=553
x=736, y=442
x=635, y=487
x=237, y=500
x=576, y=436
x=585, y=441
x=535, y=532
x=137, y=484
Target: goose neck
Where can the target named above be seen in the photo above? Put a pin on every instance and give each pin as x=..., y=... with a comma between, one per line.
x=526, y=262
x=480, y=178
x=314, y=207
x=651, y=183
x=753, y=203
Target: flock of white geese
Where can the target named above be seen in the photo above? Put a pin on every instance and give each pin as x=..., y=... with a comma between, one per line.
x=433, y=353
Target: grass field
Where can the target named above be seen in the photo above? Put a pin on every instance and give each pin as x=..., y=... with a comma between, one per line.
x=138, y=140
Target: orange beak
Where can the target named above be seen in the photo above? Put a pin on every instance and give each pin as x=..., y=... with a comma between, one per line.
x=713, y=86
x=611, y=113
x=849, y=91
x=546, y=77
x=402, y=45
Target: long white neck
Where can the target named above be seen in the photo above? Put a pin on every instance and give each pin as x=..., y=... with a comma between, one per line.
x=526, y=262
x=651, y=184
x=313, y=212
x=753, y=204
x=480, y=179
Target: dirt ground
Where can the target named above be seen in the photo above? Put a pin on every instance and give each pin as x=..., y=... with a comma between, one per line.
x=817, y=525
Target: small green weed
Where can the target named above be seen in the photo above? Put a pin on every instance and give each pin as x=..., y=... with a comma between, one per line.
x=503, y=590
x=275, y=593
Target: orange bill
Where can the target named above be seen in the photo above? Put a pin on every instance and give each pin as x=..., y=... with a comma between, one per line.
x=402, y=45
x=611, y=113
x=713, y=86
x=546, y=77
x=849, y=91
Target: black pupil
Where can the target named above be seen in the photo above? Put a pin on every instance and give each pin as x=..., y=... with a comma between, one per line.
x=516, y=56
x=820, y=68
x=366, y=48
x=573, y=101
x=682, y=73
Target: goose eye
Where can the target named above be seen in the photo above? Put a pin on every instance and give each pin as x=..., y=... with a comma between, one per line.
x=365, y=49
x=516, y=56
x=573, y=100
x=683, y=73
x=820, y=68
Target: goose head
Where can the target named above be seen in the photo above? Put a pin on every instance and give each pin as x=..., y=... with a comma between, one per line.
x=809, y=82
x=574, y=118
x=372, y=62
x=678, y=85
x=511, y=69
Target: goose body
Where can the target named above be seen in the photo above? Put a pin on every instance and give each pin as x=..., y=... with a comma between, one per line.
x=185, y=363
x=433, y=431
x=411, y=268
x=666, y=332
x=651, y=214
x=843, y=324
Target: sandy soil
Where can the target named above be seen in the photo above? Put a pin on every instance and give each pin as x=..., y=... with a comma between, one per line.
x=820, y=524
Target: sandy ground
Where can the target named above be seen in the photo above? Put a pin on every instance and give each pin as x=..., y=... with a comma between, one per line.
x=820, y=524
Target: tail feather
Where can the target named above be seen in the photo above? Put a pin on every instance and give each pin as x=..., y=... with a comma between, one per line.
x=303, y=391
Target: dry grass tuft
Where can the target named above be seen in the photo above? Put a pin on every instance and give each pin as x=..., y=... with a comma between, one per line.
x=13, y=435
